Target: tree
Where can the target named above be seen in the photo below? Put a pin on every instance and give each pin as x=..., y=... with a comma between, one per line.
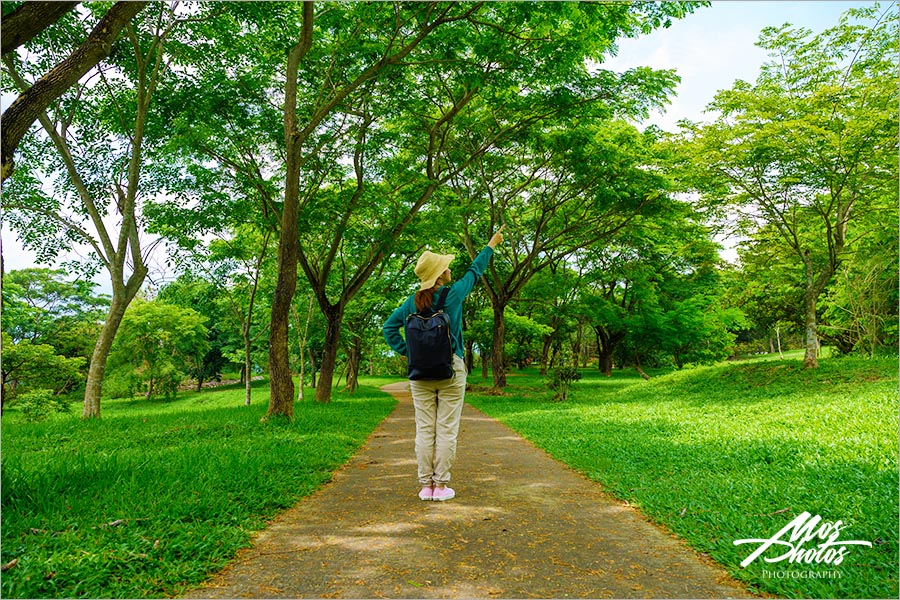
x=767, y=286
x=551, y=299
x=655, y=288
x=481, y=45
x=559, y=192
x=205, y=297
x=36, y=366
x=41, y=306
x=392, y=39
x=231, y=267
x=101, y=133
x=25, y=23
x=157, y=345
x=807, y=149
x=861, y=304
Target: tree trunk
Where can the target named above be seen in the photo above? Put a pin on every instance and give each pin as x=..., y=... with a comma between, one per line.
x=545, y=354
x=29, y=19
x=637, y=366
x=576, y=347
x=301, y=377
x=815, y=285
x=606, y=347
x=811, y=356
x=484, y=366
x=304, y=335
x=470, y=356
x=94, y=383
x=354, y=358
x=247, y=362
x=281, y=397
x=605, y=363
x=334, y=316
x=497, y=356
x=313, y=367
x=199, y=383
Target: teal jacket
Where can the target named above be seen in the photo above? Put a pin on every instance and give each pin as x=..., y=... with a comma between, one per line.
x=453, y=307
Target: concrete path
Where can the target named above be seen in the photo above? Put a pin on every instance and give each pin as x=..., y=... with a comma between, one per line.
x=522, y=526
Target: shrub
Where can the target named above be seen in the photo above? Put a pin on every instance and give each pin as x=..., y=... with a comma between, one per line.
x=561, y=380
x=38, y=404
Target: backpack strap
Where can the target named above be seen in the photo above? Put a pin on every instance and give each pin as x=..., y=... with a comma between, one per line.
x=442, y=299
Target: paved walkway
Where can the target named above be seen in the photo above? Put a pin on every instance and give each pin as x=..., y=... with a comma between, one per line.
x=522, y=526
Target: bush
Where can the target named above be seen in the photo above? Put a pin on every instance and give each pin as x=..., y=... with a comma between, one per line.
x=156, y=346
x=561, y=380
x=38, y=404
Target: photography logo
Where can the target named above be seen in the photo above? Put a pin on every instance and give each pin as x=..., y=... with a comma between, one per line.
x=805, y=540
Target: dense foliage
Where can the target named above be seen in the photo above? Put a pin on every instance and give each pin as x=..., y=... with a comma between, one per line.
x=474, y=126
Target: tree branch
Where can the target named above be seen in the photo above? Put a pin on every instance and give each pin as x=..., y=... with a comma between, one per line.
x=30, y=19
x=17, y=119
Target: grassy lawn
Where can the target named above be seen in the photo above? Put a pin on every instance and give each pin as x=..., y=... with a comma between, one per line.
x=736, y=451
x=149, y=500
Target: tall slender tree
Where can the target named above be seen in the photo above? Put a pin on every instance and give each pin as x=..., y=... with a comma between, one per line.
x=97, y=137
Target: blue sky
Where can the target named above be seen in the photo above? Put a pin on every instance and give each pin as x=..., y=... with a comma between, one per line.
x=709, y=49
x=715, y=46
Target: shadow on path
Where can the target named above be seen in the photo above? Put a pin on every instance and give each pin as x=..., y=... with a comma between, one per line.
x=522, y=526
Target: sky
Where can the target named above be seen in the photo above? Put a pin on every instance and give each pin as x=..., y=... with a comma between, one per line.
x=709, y=49
x=715, y=46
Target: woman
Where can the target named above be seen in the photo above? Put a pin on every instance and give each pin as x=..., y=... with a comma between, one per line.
x=438, y=404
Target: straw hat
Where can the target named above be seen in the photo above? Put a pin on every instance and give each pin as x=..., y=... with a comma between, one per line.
x=430, y=267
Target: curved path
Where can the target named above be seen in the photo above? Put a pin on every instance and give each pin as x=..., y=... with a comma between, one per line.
x=522, y=526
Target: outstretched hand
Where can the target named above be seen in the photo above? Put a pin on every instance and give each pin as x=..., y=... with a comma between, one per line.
x=497, y=237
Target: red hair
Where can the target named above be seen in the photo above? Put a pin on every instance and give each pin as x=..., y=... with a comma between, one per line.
x=425, y=298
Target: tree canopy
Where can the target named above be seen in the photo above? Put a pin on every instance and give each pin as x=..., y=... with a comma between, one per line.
x=294, y=158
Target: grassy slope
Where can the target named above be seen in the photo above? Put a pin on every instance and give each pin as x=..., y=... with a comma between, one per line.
x=191, y=479
x=736, y=451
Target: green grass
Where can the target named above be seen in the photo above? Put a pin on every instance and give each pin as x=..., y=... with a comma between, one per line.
x=736, y=451
x=188, y=483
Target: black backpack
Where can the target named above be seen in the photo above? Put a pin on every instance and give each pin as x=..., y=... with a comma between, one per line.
x=429, y=350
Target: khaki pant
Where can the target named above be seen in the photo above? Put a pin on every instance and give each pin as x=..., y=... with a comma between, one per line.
x=438, y=408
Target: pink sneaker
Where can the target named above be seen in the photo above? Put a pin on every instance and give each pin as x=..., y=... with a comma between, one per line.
x=426, y=493
x=442, y=493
